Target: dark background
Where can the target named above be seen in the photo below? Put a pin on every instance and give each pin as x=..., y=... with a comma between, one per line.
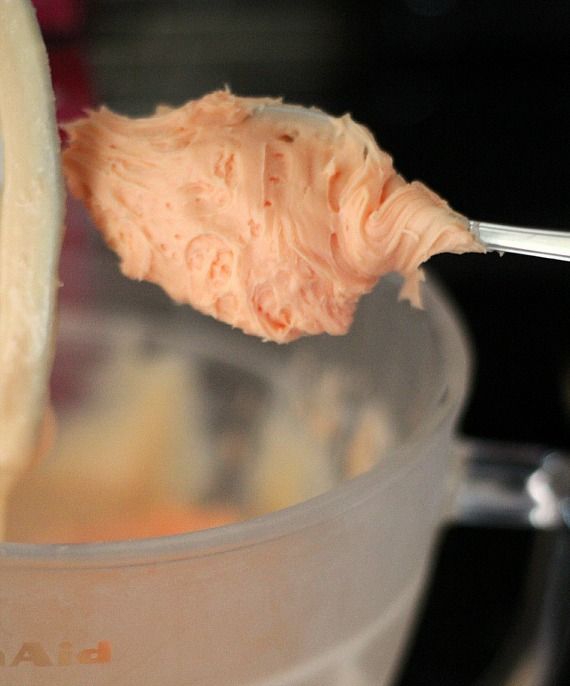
x=470, y=96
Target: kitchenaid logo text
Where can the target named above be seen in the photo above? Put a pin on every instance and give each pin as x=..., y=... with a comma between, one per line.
x=35, y=654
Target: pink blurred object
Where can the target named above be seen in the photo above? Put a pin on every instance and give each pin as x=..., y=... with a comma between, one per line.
x=71, y=78
x=60, y=17
x=73, y=88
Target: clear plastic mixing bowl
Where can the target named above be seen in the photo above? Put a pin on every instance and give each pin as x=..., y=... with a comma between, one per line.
x=320, y=593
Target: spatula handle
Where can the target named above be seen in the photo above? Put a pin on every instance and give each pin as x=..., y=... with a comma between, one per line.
x=538, y=242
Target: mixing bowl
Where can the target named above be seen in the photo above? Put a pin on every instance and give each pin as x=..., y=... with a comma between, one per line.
x=340, y=454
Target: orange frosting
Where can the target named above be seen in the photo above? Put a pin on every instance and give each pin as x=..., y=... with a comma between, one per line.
x=273, y=222
x=162, y=520
x=165, y=520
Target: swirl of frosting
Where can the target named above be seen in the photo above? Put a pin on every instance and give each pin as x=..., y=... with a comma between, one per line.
x=272, y=224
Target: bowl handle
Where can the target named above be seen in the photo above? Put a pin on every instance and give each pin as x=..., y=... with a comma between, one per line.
x=504, y=485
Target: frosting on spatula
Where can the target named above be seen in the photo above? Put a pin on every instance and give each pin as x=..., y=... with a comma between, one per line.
x=31, y=220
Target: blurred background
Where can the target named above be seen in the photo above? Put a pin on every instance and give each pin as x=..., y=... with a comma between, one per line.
x=470, y=96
